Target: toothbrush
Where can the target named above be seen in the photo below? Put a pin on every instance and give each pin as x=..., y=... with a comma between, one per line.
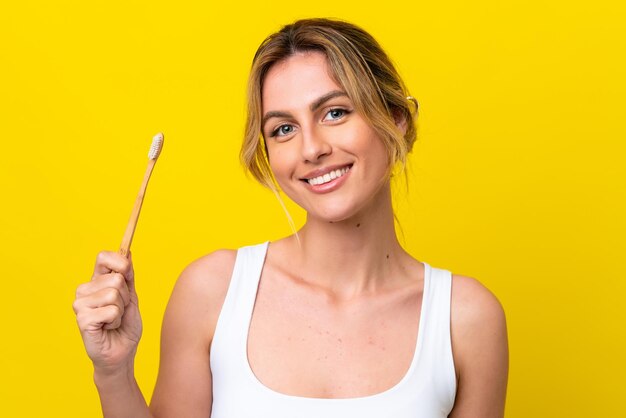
x=153, y=154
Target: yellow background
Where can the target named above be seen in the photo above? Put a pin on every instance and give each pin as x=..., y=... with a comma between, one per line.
x=518, y=178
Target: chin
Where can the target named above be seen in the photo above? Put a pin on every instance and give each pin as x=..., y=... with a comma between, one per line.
x=332, y=214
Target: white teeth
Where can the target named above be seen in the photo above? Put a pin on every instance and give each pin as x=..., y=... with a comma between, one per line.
x=315, y=181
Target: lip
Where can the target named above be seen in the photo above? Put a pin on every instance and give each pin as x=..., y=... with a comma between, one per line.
x=331, y=185
x=325, y=170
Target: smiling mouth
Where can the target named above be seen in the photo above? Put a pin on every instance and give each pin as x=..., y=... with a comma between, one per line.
x=328, y=177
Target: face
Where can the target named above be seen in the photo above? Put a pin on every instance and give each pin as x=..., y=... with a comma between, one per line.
x=323, y=154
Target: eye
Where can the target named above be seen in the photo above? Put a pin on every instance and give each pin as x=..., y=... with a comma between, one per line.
x=335, y=114
x=282, y=130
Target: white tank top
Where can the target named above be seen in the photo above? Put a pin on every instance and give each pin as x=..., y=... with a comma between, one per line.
x=427, y=390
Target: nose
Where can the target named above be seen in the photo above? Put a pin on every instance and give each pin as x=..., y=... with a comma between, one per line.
x=314, y=145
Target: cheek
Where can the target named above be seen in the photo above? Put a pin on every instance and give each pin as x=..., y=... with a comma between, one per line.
x=376, y=153
x=368, y=143
x=274, y=157
x=279, y=163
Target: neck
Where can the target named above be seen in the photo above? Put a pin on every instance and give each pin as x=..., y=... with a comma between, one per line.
x=353, y=256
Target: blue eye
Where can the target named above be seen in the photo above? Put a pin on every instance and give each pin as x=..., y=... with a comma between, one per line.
x=335, y=114
x=282, y=130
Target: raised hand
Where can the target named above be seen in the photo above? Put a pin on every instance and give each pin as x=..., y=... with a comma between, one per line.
x=107, y=313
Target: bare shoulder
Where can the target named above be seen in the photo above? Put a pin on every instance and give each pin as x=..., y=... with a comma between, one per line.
x=473, y=303
x=203, y=284
x=209, y=273
x=197, y=298
x=184, y=382
x=476, y=316
x=480, y=349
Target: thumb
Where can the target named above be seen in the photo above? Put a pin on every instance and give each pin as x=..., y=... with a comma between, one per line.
x=130, y=276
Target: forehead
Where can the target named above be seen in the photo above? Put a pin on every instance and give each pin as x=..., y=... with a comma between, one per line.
x=297, y=81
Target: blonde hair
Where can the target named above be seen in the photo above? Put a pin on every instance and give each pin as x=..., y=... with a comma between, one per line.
x=357, y=63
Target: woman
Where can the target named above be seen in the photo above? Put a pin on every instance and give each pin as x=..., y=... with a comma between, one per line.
x=336, y=320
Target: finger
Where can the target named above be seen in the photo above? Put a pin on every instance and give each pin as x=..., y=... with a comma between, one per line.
x=130, y=278
x=110, y=280
x=104, y=297
x=108, y=261
x=113, y=319
x=105, y=317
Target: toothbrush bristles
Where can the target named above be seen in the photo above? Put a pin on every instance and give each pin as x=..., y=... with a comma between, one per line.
x=155, y=149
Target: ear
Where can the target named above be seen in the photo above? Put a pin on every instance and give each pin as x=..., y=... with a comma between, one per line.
x=400, y=120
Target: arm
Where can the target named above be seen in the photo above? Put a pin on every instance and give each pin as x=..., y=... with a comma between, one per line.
x=184, y=384
x=108, y=318
x=480, y=349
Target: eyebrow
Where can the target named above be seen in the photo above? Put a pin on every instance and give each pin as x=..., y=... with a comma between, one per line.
x=331, y=95
x=313, y=107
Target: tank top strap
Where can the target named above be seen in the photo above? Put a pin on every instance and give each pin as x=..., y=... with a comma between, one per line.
x=246, y=276
x=231, y=331
x=437, y=293
x=437, y=340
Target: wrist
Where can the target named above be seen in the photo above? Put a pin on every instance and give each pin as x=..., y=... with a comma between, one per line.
x=119, y=377
x=119, y=393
